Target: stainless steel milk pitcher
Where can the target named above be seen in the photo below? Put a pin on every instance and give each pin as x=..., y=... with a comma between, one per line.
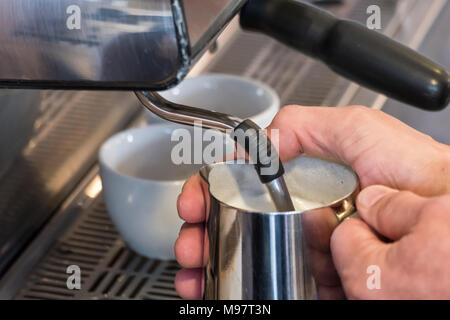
x=253, y=252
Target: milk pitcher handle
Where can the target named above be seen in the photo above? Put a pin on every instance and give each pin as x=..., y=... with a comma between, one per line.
x=345, y=211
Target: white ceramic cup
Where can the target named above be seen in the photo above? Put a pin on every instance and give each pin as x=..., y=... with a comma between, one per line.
x=234, y=95
x=141, y=185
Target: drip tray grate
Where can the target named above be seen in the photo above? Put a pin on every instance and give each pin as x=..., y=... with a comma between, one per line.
x=109, y=270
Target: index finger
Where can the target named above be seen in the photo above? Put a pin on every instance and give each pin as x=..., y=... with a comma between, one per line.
x=193, y=202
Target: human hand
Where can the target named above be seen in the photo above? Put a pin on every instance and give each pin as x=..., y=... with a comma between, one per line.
x=412, y=264
x=381, y=149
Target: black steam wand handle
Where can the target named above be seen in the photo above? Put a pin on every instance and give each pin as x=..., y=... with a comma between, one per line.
x=352, y=50
x=260, y=150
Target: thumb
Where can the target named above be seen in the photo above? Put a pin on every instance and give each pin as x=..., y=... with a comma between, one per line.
x=390, y=212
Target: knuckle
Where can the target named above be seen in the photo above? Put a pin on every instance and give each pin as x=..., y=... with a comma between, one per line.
x=182, y=206
x=429, y=138
x=285, y=115
x=359, y=108
x=359, y=112
x=362, y=115
x=388, y=204
x=435, y=210
x=402, y=198
x=179, y=249
x=179, y=204
x=357, y=117
x=395, y=201
x=290, y=108
x=286, y=112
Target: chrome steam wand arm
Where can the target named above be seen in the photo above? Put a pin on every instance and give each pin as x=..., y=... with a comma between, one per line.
x=182, y=114
x=218, y=121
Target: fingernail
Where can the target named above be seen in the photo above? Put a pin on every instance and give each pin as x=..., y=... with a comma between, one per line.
x=371, y=195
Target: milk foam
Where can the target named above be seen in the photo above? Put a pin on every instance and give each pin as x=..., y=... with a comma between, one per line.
x=263, y=203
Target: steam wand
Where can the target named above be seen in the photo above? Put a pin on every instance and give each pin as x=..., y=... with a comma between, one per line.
x=182, y=114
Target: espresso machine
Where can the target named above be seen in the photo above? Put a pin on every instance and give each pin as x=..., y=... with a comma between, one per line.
x=152, y=45
x=98, y=52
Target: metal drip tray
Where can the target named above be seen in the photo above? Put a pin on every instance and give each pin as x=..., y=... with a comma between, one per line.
x=109, y=270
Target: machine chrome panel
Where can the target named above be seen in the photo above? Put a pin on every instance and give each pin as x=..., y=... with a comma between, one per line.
x=105, y=44
x=205, y=20
x=82, y=43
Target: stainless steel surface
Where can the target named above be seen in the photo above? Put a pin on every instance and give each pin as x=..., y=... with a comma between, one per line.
x=115, y=44
x=205, y=20
x=253, y=255
x=187, y=115
x=14, y=134
x=105, y=43
x=67, y=129
x=280, y=195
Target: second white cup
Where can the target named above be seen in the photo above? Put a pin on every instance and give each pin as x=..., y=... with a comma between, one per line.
x=141, y=183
